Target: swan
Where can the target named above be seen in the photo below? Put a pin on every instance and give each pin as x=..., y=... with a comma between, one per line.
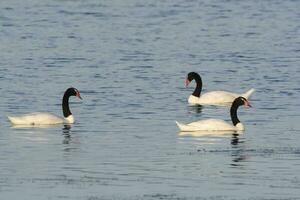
x=214, y=97
x=218, y=124
x=45, y=118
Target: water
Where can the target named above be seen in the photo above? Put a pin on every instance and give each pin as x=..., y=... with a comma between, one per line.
x=129, y=60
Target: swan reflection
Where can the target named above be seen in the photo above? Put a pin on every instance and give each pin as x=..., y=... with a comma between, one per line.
x=238, y=152
x=195, y=108
x=66, y=132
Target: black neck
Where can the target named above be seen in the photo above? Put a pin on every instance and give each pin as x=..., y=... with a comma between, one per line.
x=198, y=88
x=65, y=105
x=233, y=114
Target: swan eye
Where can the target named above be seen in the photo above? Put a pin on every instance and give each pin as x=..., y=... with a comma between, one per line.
x=76, y=91
x=246, y=102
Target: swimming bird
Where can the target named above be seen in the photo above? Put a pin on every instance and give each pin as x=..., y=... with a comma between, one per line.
x=218, y=124
x=214, y=97
x=45, y=118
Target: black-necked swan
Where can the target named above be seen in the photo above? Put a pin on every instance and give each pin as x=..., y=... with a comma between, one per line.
x=217, y=124
x=44, y=118
x=214, y=97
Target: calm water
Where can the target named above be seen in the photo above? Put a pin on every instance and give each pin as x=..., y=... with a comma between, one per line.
x=129, y=60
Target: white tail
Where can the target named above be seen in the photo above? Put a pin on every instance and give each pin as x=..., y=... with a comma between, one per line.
x=186, y=128
x=181, y=126
x=13, y=120
x=248, y=93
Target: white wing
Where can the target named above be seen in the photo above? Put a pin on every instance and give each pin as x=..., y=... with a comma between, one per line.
x=37, y=118
x=207, y=125
x=218, y=97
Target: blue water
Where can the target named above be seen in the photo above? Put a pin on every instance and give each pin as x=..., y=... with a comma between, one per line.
x=129, y=60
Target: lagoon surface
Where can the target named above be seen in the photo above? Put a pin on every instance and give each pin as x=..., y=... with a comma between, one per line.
x=129, y=59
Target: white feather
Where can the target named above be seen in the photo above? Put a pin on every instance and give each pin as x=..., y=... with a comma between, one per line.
x=40, y=118
x=209, y=125
x=218, y=97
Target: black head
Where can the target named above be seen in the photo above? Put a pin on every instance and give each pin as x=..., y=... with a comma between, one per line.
x=73, y=92
x=191, y=76
x=241, y=101
x=235, y=105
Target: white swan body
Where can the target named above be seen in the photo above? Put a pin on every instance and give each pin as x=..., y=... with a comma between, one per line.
x=218, y=97
x=40, y=118
x=218, y=124
x=210, y=125
x=44, y=118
